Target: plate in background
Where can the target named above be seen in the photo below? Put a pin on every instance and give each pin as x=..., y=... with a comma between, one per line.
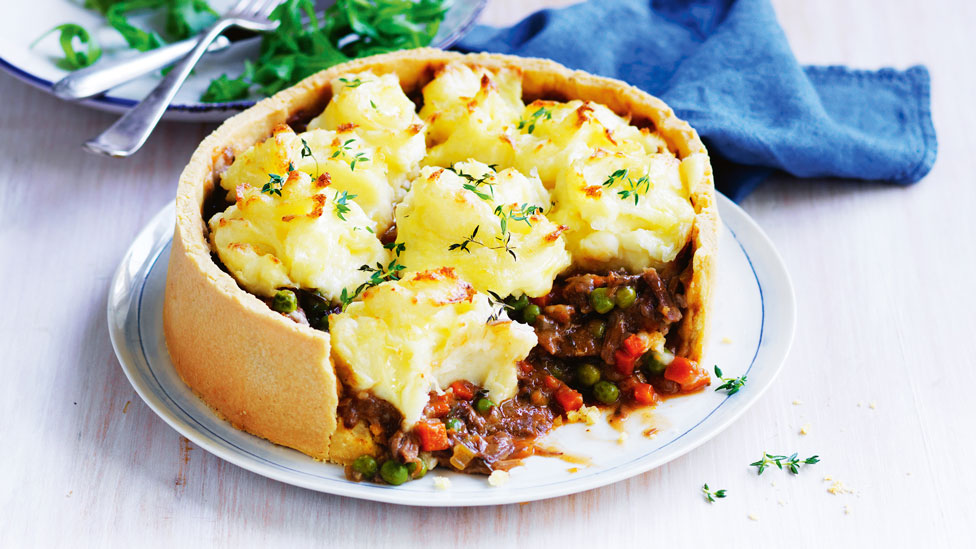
x=752, y=327
x=23, y=22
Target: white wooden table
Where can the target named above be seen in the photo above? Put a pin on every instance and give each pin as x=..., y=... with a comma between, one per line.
x=882, y=369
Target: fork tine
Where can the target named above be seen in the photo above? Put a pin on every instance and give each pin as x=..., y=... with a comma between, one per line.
x=269, y=6
x=243, y=8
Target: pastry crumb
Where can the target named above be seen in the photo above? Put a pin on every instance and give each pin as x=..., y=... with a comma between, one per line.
x=498, y=478
x=828, y=478
x=442, y=483
x=726, y=340
x=847, y=509
x=805, y=430
x=587, y=414
x=860, y=404
x=773, y=484
x=781, y=502
x=838, y=488
x=126, y=407
x=753, y=517
x=622, y=439
x=797, y=402
x=573, y=470
x=873, y=405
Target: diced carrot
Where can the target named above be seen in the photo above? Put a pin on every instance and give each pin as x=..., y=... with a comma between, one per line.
x=635, y=345
x=686, y=373
x=551, y=382
x=439, y=405
x=433, y=436
x=644, y=394
x=542, y=301
x=624, y=362
x=569, y=399
x=525, y=367
x=463, y=390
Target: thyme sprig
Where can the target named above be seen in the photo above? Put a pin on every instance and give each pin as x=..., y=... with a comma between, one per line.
x=791, y=462
x=307, y=152
x=710, y=496
x=274, y=184
x=353, y=82
x=541, y=114
x=524, y=213
x=634, y=187
x=730, y=384
x=342, y=204
x=474, y=183
x=378, y=274
x=344, y=151
x=504, y=243
x=498, y=305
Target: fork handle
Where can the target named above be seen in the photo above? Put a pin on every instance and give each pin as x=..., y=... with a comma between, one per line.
x=91, y=81
x=130, y=132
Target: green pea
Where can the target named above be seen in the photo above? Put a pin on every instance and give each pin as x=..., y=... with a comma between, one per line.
x=394, y=472
x=606, y=392
x=600, y=301
x=531, y=313
x=453, y=424
x=284, y=301
x=558, y=370
x=483, y=405
x=365, y=465
x=587, y=375
x=518, y=304
x=656, y=362
x=597, y=328
x=625, y=297
x=417, y=469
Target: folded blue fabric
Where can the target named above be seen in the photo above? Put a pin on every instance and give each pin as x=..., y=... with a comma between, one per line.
x=726, y=67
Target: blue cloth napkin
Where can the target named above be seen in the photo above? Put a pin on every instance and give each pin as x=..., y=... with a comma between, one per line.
x=726, y=67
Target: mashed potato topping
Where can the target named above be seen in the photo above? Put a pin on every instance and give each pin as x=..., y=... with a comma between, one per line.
x=487, y=225
x=472, y=113
x=378, y=111
x=510, y=196
x=409, y=337
x=311, y=236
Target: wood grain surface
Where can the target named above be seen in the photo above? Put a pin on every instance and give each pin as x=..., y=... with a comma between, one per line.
x=881, y=371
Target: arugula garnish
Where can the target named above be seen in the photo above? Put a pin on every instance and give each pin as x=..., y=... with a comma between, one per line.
x=299, y=48
x=791, y=462
x=73, y=58
x=303, y=43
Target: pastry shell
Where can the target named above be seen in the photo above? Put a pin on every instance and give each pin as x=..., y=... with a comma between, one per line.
x=273, y=377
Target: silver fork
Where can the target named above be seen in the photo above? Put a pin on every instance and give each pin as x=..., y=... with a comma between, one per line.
x=130, y=132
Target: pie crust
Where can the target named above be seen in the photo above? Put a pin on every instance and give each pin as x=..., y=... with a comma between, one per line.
x=273, y=377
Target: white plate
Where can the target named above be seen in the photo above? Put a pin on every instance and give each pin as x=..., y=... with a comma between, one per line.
x=754, y=308
x=23, y=22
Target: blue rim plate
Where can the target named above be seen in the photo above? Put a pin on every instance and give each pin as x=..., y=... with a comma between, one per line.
x=24, y=22
x=751, y=332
